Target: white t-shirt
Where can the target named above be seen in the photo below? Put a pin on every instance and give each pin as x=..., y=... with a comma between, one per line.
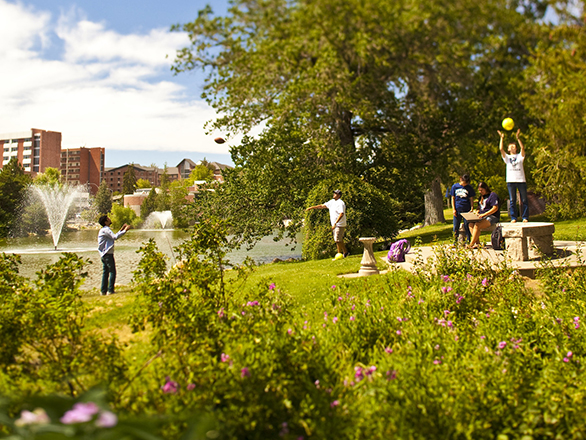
x=336, y=207
x=515, y=172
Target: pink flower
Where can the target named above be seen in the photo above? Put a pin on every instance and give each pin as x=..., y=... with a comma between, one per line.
x=252, y=303
x=388, y=350
x=420, y=301
x=450, y=324
x=106, y=419
x=485, y=282
x=224, y=357
x=244, y=372
x=221, y=313
x=566, y=359
x=334, y=403
x=399, y=332
x=570, y=354
x=316, y=383
x=80, y=413
x=352, y=318
x=190, y=387
x=289, y=331
x=437, y=347
x=340, y=298
x=170, y=387
x=446, y=289
x=272, y=286
x=391, y=375
x=445, y=278
x=446, y=312
x=36, y=417
x=437, y=362
x=333, y=287
x=335, y=319
x=502, y=345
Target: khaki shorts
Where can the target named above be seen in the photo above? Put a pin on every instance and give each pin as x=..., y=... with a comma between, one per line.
x=339, y=234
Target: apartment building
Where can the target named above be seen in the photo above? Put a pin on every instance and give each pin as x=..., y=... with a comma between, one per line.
x=115, y=176
x=35, y=149
x=83, y=166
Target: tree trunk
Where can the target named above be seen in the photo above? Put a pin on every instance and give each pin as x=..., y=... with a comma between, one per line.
x=434, y=204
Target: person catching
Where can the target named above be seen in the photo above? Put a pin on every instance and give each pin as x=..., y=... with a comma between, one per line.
x=106, y=240
x=337, y=209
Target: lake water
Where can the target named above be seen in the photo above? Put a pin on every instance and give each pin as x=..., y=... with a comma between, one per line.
x=37, y=252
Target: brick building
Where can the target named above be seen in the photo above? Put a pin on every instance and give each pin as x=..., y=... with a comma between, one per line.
x=35, y=149
x=115, y=176
x=84, y=166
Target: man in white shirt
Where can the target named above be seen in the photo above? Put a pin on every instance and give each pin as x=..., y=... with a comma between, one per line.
x=515, y=177
x=337, y=210
x=106, y=240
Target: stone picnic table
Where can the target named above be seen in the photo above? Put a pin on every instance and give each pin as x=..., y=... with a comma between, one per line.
x=528, y=241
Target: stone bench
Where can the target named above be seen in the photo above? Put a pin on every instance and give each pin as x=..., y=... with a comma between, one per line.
x=527, y=241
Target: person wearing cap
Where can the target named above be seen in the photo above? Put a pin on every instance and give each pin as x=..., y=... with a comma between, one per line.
x=106, y=238
x=337, y=209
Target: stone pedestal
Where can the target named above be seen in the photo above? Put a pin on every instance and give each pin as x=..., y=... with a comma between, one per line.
x=368, y=263
x=527, y=241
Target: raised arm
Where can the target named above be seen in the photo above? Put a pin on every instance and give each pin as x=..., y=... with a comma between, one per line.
x=316, y=207
x=501, y=144
x=518, y=135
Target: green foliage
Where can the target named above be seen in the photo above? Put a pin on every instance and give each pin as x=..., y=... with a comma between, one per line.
x=203, y=171
x=556, y=98
x=129, y=180
x=143, y=183
x=50, y=177
x=121, y=215
x=163, y=200
x=179, y=204
x=369, y=213
x=152, y=264
x=44, y=343
x=149, y=204
x=103, y=199
x=13, y=185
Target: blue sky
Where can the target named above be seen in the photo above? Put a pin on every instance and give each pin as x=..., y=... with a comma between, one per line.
x=97, y=72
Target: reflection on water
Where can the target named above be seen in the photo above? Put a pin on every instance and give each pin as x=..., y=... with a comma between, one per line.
x=37, y=252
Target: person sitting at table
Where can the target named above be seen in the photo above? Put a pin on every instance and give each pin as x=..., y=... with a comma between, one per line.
x=488, y=210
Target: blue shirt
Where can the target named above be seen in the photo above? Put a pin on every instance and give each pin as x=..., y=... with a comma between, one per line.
x=461, y=195
x=486, y=203
x=106, y=240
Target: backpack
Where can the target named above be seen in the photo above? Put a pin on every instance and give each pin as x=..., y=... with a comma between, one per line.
x=398, y=250
x=496, y=238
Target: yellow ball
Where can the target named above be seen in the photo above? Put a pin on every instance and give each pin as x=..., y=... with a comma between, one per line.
x=508, y=124
x=339, y=256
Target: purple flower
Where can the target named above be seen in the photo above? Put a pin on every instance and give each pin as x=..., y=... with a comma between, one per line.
x=272, y=286
x=388, y=350
x=190, y=387
x=333, y=287
x=445, y=278
x=437, y=362
x=391, y=375
x=340, y=298
x=252, y=303
x=446, y=289
x=289, y=331
x=352, y=318
x=170, y=387
x=106, y=419
x=399, y=332
x=335, y=319
x=224, y=357
x=485, y=282
x=334, y=403
x=420, y=301
x=450, y=324
x=566, y=359
x=221, y=313
x=502, y=345
x=446, y=312
x=576, y=322
x=358, y=374
x=80, y=413
x=244, y=372
x=570, y=354
x=353, y=307
x=437, y=347
x=36, y=417
x=459, y=299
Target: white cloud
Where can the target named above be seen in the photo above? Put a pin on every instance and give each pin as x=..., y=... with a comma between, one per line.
x=103, y=90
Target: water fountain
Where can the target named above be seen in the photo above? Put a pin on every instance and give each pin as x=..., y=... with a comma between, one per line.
x=56, y=200
x=165, y=218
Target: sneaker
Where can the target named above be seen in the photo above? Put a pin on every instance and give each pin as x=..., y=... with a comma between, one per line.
x=111, y=293
x=103, y=293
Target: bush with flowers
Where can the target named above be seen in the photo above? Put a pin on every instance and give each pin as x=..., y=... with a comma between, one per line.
x=459, y=350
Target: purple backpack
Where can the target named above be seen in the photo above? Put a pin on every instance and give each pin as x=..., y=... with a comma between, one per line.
x=398, y=251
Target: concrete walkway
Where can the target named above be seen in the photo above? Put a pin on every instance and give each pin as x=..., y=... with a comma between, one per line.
x=567, y=253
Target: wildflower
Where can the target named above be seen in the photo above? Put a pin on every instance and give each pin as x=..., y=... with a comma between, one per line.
x=333, y=287
x=450, y=324
x=340, y=298
x=482, y=337
x=437, y=362
x=437, y=347
x=244, y=372
x=106, y=419
x=446, y=312
x=447, y=289
x=369, y=371
x=399, y=319
x=289, y=331
x=358, y=375
x=576, y=322
x=388, y=350
x=566, y=359
x=252, y=303
x=352, y=318
x=160, y=304
x=335, y=319
x=502, y=345
x=36, y=417
x=570, y=354
x=334, y=403
x=558, y=320
x=221, y=313
x=170, y=386
x=284, y=429
x=459, y=299
x=353, y=307
x=446, y=278
x=190, y=387
x=391, y=375
x=272, y=286
x=485, y=282
x=316, y=383
x=399, y=332
x=224, y=357
x=456, y=338
x=80, y=413
x=420, y=301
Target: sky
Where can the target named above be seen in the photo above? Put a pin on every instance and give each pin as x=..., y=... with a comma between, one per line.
x=99, y=73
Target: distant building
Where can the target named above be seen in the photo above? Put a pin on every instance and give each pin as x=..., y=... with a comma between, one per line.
x=35, y=149
x=186, y=166
x=115, y=176
x=84, y=166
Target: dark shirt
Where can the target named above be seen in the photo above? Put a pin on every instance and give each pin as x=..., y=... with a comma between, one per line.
x=487, y=202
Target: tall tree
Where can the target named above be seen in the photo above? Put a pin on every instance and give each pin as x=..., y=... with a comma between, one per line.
x=13, y=185
x=103, y=199
x=163, y=197
x=129, y=180
x=387, y=91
